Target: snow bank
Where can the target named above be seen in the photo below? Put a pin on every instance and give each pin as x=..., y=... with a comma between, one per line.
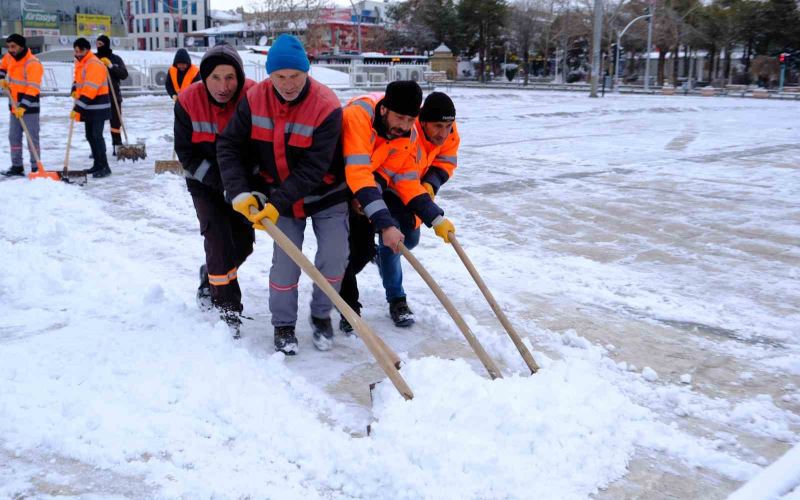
x=780, y=478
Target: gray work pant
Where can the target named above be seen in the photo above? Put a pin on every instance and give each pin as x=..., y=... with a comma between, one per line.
x=331, y=228
x=16, y=138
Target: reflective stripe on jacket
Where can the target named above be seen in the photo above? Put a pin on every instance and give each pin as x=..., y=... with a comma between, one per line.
x=91, y=84
x=24, y=79
x=441, y=161
x=374, y=164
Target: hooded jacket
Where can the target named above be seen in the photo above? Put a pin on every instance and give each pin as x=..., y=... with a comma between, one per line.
x=24, y=76
x=199, y=119
x=180, y=80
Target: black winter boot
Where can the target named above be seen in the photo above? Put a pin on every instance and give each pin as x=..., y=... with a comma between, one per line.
x=400, y=313
x=285, y=341
x=234, y=320
x=345, y=326
x=103, y=172
x=15, y=171
x=204, y=291
x=322, y=334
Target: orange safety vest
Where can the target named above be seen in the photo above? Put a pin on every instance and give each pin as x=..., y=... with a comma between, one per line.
x=188, y=78
x=396, y=161
x=24, y=79
x=444, y=157
x=91, y=84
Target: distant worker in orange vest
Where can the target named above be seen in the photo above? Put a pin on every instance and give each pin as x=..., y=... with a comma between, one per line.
x=182, y=73
x=21, y=73
x=92, y=103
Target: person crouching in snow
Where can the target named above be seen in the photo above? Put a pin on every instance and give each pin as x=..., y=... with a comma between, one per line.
x=182, y=74
x=201, y=113
x=290, y=125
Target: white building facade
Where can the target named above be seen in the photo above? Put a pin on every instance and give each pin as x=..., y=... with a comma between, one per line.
x=161, y=24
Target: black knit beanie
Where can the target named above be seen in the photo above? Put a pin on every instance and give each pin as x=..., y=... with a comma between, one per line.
x=82, y=43
x=438, y=107
x=403, y=97
x=18, y=39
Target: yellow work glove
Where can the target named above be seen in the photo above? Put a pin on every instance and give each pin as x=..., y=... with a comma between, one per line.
x=269, y=212
x=443, y=229
x=3, y=83
x=74, y=115
x=106, y=61
x=74, y=95
x=244, y=203
x=19, y=112
x=429, y=189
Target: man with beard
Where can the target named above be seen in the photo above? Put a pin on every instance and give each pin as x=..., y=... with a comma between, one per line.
x=92, y=102
x=201, y=113
x=383, y=157
x=118, y=71
x=182, y=74
x=21, y=74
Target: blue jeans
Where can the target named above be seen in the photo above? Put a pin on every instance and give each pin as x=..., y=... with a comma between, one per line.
x=389, y=262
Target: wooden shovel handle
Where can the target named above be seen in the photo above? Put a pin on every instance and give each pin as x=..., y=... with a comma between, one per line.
x=494, y=372
x=526, y=355
x=116, y=105
x=387, y=359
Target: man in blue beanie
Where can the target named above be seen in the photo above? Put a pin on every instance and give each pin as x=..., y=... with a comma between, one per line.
x=290, y=126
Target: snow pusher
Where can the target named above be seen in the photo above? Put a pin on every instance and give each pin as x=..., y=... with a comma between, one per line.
x=78, y=177
x=523, y=351
x=125, y=151
x=472, y=340
x=383, y=354
x=173, y=165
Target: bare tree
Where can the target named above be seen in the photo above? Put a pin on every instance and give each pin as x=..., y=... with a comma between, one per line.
x=527, y=20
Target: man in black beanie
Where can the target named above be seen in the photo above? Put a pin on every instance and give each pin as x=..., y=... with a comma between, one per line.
x=438, y=136
x=118, y=71
x=21, y=75
x=382, y=158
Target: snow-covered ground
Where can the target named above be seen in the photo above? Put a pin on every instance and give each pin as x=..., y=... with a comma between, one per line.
x=648, y=248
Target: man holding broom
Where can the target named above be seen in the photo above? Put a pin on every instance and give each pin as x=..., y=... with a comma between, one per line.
x=21, y=75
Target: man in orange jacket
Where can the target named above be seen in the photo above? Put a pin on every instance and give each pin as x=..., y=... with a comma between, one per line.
x=438, y=136
x=21, y=74
x=182, y=73
x=382, y=158
x=92, y=102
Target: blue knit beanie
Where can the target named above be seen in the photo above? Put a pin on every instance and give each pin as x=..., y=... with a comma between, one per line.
x=287, y=53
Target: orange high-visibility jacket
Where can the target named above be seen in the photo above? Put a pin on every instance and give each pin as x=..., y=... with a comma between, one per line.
x=440, y=161
x=24, y=77
x=91, y=84
x=188, y=78
x=372, y=160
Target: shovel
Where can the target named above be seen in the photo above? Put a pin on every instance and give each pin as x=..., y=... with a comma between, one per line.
x=523, y=351
x=125, y=151
x=386, y=358
x=472, y=340
x=173, y=166
x=69, y=176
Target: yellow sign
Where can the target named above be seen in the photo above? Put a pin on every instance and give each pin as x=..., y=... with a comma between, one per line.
x=90, y=24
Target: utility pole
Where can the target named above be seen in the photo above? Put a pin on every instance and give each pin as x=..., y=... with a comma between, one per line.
x=650, y=21
x=598, y=32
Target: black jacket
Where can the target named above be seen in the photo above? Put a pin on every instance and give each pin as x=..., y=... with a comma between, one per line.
x=118, y=71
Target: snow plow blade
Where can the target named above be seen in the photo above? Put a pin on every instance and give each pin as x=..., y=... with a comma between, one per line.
x=172, y=166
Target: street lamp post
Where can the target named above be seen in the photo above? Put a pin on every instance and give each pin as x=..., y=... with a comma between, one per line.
x=619, y=37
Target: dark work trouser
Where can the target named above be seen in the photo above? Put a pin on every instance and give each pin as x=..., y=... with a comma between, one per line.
x=229, y=239
x=362, y=251
x=94, y=134
x=116, y=123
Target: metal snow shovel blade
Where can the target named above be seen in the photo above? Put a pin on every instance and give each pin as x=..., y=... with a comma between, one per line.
x=523, y=351
x=386, y=358
x=494, y=372
x=78, y=177
x=172, y=166
x=125, y=151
